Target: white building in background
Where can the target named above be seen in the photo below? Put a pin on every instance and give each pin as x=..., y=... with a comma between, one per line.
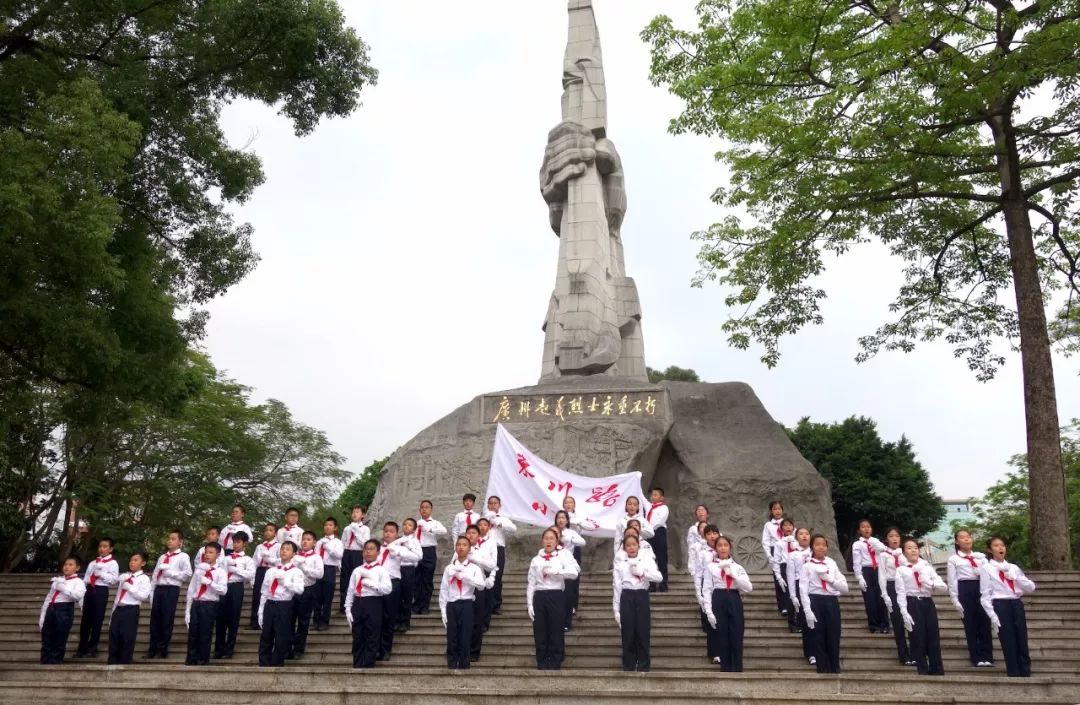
x=938, y=544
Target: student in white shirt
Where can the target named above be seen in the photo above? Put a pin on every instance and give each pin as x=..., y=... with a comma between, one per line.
x=208, y=583
x=864, y=564
x=703, y=554
x=353, y=538
x=657, y=516
x=916, y=581
x=888, y=561
x=331, y=550
x=236, y=525
x=410, y=562
x=771, y=532
x=368, y=586
x=694, y=536
x=133, y=589
x=58, y=611
x=632, y=512
x=820, y=585
x=722, y=584
x=240, y=572
x=393, y=549
x=466, y=517
x=485, y=545
x=482, y=554
x=793, y=563
x=281, y=586
x=428, y=531
x=501, y=526
x=212, y=535
x=266, y=556
x=781, y=548
x=460, y=580
x=101, y=574
x=965, y=589
x=544, y=596
x=569, y=540
x=633, y=527
x=172, y=569
x=630, y=600
x=291, y=531
x=1003, y=585
x=311, y=567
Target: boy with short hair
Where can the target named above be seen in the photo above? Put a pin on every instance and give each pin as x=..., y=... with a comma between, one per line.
x=311, y=567
x=265, y=557
x=58, y=611
x=353, y=538
x=240, y=571
x=133, y=590
x=101, y=574
x=204, y=592
x=172, y=569
x=501, y=527
x=409, y=563
x=482, y=554
x=291, y=531
x=213, y=533
x=368, y=585
x=428, y=531
x=236, y=525
x=657, y=515
x=465, y=518
x=282, y=584
x=390, y=554
x=330, y=550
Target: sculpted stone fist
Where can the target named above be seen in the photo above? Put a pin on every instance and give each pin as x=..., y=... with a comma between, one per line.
x=571, y=148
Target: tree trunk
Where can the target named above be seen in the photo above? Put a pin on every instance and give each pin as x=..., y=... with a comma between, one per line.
x=1050, y=544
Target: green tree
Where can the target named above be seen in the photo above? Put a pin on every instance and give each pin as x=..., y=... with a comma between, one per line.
x=1004, y=510
x=939, y=129
x=361, y=490
x=870, y=478
x=676, y=374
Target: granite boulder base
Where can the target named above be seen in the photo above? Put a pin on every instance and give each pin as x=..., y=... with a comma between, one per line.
x=711, y=443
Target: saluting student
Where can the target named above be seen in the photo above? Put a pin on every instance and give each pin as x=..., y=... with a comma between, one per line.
x=291, y=531
x=793, y=568
x=368, y=586
x=311, y=567
x=207, y=585
x=544, y=596
x=282, y=584
x=353, y=538
x=569, y=540
x=58, y=611
x=771, y=532
x=465, y=518
x=410, y=560
x=864, y=564
x=482, y=555
x=916, y=581
x=694, y=537
x=630, y=600
x=236, y=525
x=266, y=557
x=428, y=531
x=632, y=512
x=213, y=533
x=724, y=580
x=501, y=527
x=240, y=573
x=484, y=543
x=101, y=574
x=820, y=585
x=784, y=546
x=331, y=550
x=704, y=551
x=963, y=573
x=460, y=580
x=657, y=516
x=889, y=561
x=392, y=550
x=133, y=589
x=172, y=569
x=1002, y=586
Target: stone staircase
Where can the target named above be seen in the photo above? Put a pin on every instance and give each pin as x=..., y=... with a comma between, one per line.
x=775, y=669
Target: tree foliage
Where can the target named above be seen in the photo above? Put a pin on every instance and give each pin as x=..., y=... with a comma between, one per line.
x=361, y=490
x=677, y=374
x=870, y=478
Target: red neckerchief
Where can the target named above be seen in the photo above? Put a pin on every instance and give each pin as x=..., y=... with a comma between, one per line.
x=870, y=550
x=99, y=561
x=1007, y=581
x=969, y=558
x=918, y=580
x=123, y=591
x=202, y=588
x=460, y=583
x=56, y=593
x=653, y=505
x=824, y=583
x=274, y=584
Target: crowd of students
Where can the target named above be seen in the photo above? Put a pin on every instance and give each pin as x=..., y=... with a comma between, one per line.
x=381, y=582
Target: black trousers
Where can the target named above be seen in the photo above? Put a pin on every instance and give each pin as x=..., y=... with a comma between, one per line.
x=93, y=614
x=408, y=594
x=391, y=602
x=476, y=639
x=500, y=561
x=800, y=622
x=571, y=590
x=925, y=638
x=324, y=596
x=200, y=630
x=898, y=630
x=303, y=607
x=459, y=623
x=1013, y=637
x=162, y=616
x=488, y=597
x=367, y=614
x=276, y=637
x=728, y=609
x=123, y=629
x=659, y=545
x=826, y=634
x=425, y=574
x=55, y=630
x=635, y=621
x=876, y=618
x=549, y=608
x=256, y=596
x=350, y=560
x=976, y=623
x=228, y=620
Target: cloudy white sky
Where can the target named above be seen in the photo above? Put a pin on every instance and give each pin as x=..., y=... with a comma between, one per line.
x=407, y=261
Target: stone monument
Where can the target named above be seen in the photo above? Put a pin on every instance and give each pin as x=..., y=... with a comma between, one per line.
x=594, y=412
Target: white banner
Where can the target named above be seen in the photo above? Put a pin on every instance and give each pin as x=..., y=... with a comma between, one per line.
x=532, y=489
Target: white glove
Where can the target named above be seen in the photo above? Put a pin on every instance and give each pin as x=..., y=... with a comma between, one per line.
x=959, y=608
x=532, y=614
x=444, y=623
x=187, y=617
x=909, y=623
x=995, y=622
x=712, y=620
x=888, y=602
x=489, y=583
x=637, y=571
x=618, y=620
x=862, y=583
x=811, y=620
x=1012, y=572
x=57, y=582
x=206, y=580
x=782, y=583
x=547, y=570
x=348, y=617
x=204, y=566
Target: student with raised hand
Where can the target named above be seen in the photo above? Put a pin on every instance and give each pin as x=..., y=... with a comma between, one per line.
x=237, y=524
x=172, y=569
x=240, y=572
x=864, y=563
x=58, y=611
x=785, y=545
x=428, y=531
x=133, y=589
x=311, y=567
x=630, y=600
x=572, y=542
x=770, y=534
x=281, y=586
x=693, y=534
x=481, y=554
x=965, y=589
x=101, y=574
x=545, y=597
x=916, y=581
x=266, y=556
x=410, y=561
x=460, y=580
x=393, y=548
x=820, y=585
x=208, y=583
x=331, y=550
x=465, y=518
x=501, y=527
x=793, y=568
x=353, y=538
x=1003, y=586
x=722, y=584
x=369, y=584
x=703, y=554
x=657, y=516
x=485, y=544
x=211, y=535
x=632, y=512
x=889, y=560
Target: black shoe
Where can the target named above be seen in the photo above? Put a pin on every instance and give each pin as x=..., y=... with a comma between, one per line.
x=663, y=588
x=497, y=610
x=189, y=662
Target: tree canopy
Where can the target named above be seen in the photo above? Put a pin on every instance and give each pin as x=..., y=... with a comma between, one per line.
x=870, y=478
x=677, y=374
x=937, y=129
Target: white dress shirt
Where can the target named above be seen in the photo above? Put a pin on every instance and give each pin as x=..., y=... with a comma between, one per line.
x=770, y=533
x=693, y=536
x=428, y=532
x=1002, y=581
x=413, y=554
x=294, y=533
x=134, y=589
x=722, y=574
x=220, y=562
x=281, y=584
x=632, y=574
x=778, y=560
x=483, y=553
x=918, y=579
x=793, y=563
x=644, y=549
x=888, y=561
x=355, y=536
x=570, y=538
x=460, y=581
x=208, y=584
x=367, y=580
x=232, y=529
x=62, y=589
x=310, y=565
x=330, y=549
x=963, y=566
x=657, y=515
x=103, y=572
x=267, y=554
x=173, y=568
x=240, y=568
x=462, y=521
x=864, y=554
x=390, y=555
x=550, y=571
x=820, y=578
x=500, y=527
x=621, y=523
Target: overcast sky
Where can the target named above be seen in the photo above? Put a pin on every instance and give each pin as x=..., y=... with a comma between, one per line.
x=407, y=260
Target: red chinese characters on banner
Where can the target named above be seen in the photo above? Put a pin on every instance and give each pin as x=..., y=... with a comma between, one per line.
x=563, y=487
x=540, y=507
x=523, y=467
x=607, y=495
